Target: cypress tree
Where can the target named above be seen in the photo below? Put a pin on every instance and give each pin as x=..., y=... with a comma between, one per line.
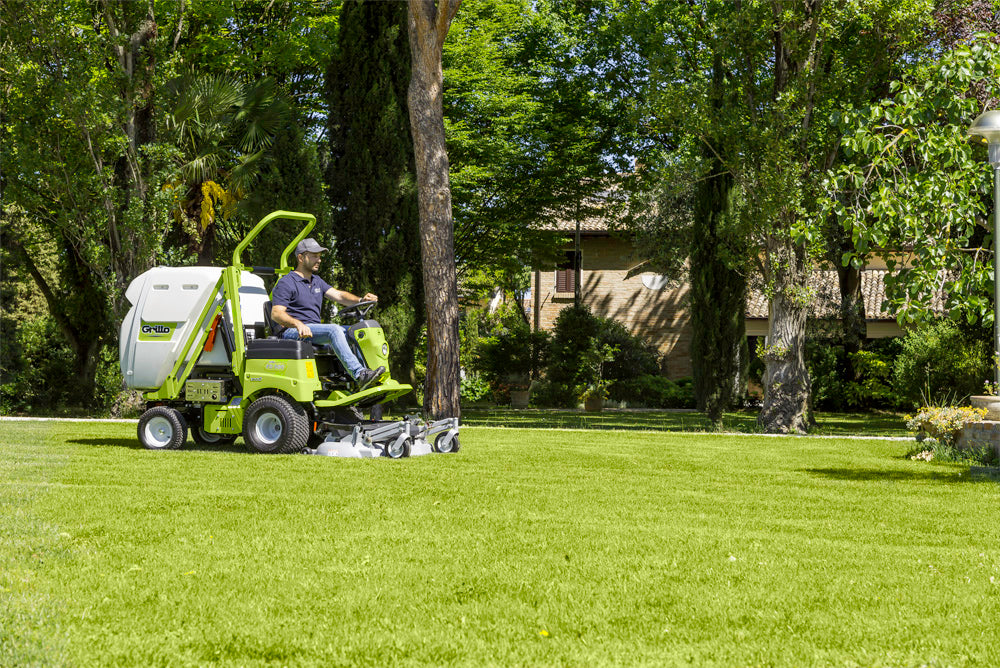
x=291, y=181
x=371, y=172
x=718, y=301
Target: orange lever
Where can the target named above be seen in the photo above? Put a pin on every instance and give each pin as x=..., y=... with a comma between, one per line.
x=210, y=343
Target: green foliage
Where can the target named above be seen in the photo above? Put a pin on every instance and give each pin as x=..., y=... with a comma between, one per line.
x=510, y=357
x=588, y=353
x=633, y=356
x=939, y=359
x=648, y=391
x=871, y=386
x=474, y=387
x=37, y=367
x=528, y=140
x=292, y=180
x=913, y=179
x=574, y=334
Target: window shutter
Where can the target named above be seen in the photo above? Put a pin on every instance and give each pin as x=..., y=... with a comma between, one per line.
x=566, y=273
x=565, y=280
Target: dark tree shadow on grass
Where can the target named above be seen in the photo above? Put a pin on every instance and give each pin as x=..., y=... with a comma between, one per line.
x=133, y=444
x=882, y=475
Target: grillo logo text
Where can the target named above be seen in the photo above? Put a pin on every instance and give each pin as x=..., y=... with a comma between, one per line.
x=155, y=329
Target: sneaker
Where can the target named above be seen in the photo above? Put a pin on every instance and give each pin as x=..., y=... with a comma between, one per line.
x=366, y=377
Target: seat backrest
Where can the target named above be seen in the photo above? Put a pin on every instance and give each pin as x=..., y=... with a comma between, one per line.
x=274, y=328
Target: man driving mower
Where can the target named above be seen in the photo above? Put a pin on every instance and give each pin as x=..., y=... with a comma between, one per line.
x=296, y=302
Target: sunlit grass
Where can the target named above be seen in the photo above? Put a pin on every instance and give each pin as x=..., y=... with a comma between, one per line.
x=529, y=547
x=838, y=424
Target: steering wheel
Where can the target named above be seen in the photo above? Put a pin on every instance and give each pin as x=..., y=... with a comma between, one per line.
x=357, y=311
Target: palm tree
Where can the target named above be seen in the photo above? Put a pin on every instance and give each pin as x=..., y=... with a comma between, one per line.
x=223, y=129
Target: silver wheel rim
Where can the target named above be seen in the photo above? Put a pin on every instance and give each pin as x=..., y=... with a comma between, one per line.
x=207, y=436
x=268, y=428
x=395, y=452
x=445, y=447
x=159, y=432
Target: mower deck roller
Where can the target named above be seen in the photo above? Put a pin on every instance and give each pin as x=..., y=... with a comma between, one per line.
x=199, y=342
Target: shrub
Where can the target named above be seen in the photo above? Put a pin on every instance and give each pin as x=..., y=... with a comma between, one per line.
x=634, y=357
x=654, y=392
x=939, y=359
x=36, y=369
x=474, y=387
x=579, y=338
x=834, y=389
x=943, y=423
x=510, y=358
x=573, y=336
x=547, y=394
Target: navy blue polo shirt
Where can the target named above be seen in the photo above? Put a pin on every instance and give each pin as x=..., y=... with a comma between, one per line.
x=301, y=297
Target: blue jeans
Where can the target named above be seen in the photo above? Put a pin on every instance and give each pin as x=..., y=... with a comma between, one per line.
x=334, y=335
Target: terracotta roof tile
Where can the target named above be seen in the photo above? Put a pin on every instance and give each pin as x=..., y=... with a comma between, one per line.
x=827, y=304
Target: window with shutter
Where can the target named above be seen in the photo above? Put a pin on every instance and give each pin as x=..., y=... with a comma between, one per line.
x=566, y=273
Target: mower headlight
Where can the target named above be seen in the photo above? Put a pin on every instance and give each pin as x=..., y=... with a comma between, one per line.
x=385, y=349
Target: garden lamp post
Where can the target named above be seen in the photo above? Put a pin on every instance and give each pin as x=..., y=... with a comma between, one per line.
x=987, y=126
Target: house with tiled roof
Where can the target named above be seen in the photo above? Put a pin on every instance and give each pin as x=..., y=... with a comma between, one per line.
x=613, y=284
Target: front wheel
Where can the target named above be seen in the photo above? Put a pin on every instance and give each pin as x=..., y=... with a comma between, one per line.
x=399, y=448
x=275, y=425
x=162, y=428
x=451, y=446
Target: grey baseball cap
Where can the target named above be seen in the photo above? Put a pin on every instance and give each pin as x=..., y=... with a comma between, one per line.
x=309, y=246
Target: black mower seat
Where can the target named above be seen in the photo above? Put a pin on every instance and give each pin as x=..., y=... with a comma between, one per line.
x=280, y=349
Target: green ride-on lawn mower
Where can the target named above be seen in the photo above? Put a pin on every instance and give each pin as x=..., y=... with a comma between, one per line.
x=200, y=342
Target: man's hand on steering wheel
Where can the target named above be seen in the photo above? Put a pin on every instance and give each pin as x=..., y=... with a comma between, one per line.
x=361, y=308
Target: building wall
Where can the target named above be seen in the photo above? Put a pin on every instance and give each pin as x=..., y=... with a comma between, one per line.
x=658, y=315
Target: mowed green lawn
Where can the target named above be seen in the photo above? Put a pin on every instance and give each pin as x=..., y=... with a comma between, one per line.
x=529, y=547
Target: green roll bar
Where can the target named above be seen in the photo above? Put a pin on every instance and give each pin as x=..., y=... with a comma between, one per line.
x=284, y=267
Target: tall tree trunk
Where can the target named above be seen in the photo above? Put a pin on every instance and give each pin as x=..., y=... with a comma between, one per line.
x=852, y=315
x=718, y=302
x=787, y=388
x=786, y=378
x=428, y=27
x=718, y=290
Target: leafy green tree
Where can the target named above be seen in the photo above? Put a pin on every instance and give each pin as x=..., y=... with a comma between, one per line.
x=224, y=129
x=786, y=67
x=290, y=42
x=371, y=174
x=527, y=137
x=82, y=171
x=914, y=189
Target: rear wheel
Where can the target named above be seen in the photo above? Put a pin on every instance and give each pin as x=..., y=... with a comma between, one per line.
x=275, y=425
x=202, y=437
x=162, y=428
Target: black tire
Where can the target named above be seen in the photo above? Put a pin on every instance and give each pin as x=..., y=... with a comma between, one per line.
x=403, y=451
x=202, y=437
x=275, y=425
x=162, y=428
x=453, y=445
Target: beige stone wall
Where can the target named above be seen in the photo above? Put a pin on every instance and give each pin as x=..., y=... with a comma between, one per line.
x=659, y=316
